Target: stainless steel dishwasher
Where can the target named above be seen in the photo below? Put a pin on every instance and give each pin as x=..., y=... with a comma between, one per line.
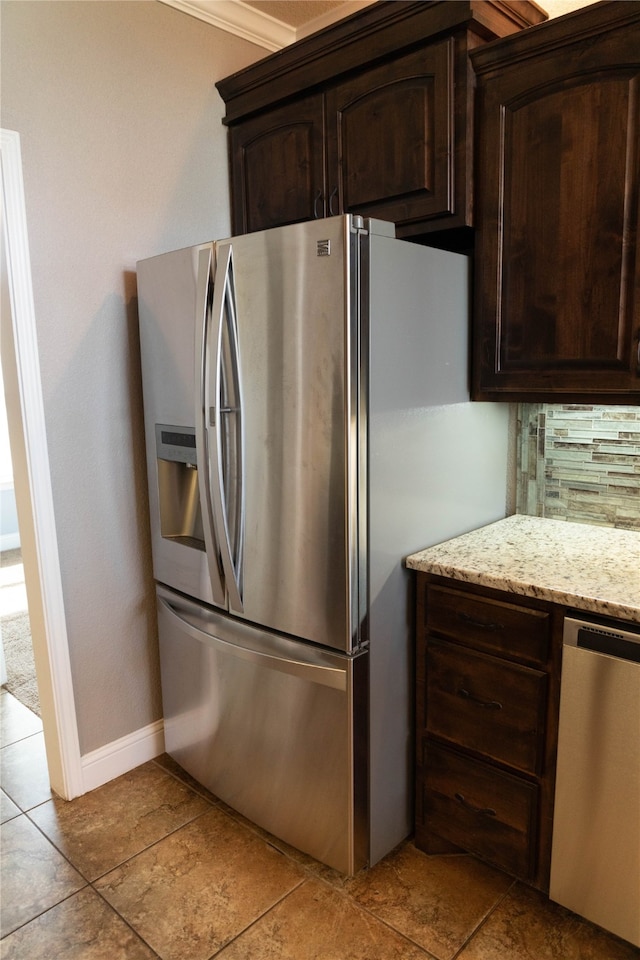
x=595, y=859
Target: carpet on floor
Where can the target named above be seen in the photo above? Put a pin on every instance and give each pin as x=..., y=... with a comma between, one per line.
x=18, y=651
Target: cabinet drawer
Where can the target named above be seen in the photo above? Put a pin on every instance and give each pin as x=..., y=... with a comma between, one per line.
x=504, y=628
x=481, y=809
x=491, y=706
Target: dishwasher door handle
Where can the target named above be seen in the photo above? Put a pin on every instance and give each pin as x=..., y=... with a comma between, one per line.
x=610, y=644
x=610, y=640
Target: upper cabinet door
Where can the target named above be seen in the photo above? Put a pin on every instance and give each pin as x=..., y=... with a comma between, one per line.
x=390, y=147
x=277, y=166
x=396, y=141
x=558, y=295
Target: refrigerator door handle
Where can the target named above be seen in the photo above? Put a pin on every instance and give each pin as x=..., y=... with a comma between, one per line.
x=226, y=422
x=202, y=366
x=188, y=615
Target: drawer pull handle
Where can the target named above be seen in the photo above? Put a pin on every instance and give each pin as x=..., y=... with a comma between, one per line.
x=482, y=624
x=487, y=704
x=479, y=811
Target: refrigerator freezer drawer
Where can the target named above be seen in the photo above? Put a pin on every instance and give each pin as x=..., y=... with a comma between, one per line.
x=273, y=727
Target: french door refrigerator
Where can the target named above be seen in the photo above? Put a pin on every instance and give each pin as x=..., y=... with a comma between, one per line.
x=308, y=425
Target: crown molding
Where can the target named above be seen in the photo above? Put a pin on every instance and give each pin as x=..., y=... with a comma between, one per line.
x=237, y=18
x=240, y=20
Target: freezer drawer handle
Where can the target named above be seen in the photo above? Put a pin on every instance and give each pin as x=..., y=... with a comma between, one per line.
x=314, y=673
x=471, y=807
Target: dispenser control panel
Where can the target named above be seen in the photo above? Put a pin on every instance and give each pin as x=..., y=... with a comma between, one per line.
x=176, y=443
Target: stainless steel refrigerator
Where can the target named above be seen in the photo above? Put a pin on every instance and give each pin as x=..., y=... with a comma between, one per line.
x=308, y=425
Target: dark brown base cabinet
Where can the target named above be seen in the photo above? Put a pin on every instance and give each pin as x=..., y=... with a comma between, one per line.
x=487, y=700
x=371, y=116
x=557, y=304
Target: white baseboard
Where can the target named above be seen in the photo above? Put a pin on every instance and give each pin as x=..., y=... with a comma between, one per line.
x=111, y=761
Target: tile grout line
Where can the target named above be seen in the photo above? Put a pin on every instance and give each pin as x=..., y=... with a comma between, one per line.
x=91, y=883
x=124, y=919
x=213, y=804
x=255, y=831
x=115, y=866
x=307, y=871
x=21, y=812
x=399, y=933
x=261, y=917
x=484, y=919
x=42, y=913
x=27, y=736
x=310, y=874
x=88, y=883
x=205, y=794
x=347, y=895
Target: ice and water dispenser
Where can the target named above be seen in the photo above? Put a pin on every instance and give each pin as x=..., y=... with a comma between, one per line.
x=180, y=514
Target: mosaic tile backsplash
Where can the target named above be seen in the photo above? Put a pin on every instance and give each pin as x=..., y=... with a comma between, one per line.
x=579, y=463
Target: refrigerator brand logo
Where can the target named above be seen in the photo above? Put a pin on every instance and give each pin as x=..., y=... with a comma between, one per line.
x=323, y=248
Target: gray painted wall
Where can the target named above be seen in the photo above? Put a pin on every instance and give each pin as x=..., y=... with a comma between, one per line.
x=124, y=156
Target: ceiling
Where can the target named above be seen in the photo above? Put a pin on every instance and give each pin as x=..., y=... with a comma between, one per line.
x=274, y=24
x=299, y=13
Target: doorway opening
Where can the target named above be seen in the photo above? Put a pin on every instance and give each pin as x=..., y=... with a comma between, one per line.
x=32, y=484
x=17, y=666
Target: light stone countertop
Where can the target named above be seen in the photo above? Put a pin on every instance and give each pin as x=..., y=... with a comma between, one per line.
x=574, y=564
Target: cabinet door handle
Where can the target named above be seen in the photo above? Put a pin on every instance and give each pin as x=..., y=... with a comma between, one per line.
x=334, y=193
x=316, y=212
x=486, y=704
x=471, y=807
x=482, y=624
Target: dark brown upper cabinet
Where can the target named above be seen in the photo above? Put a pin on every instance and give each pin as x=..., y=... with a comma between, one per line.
x=278, y=167
x=390, y=142
x=557, y=303
x=372, y=116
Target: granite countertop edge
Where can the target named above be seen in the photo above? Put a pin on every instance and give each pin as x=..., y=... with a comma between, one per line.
x=552, y=562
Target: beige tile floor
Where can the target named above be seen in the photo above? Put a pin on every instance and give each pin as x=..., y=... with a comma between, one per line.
x=151, y=865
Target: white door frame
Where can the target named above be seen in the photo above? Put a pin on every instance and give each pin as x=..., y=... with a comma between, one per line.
x=51, y=649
